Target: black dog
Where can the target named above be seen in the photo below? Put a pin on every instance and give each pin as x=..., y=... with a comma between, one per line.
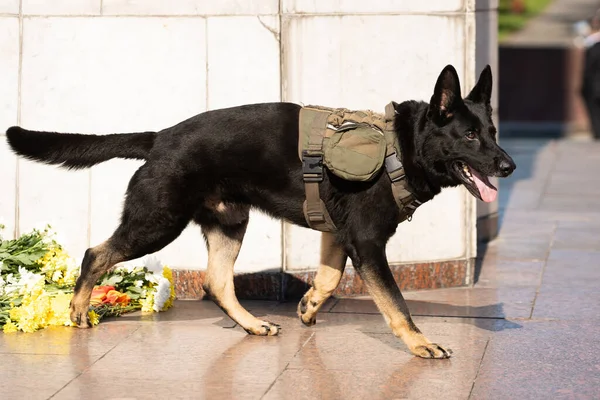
x=214, y=167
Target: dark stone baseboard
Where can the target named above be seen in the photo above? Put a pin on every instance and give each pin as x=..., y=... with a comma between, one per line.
x=289, y=286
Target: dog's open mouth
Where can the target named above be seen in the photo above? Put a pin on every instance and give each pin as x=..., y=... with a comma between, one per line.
x=477, y=184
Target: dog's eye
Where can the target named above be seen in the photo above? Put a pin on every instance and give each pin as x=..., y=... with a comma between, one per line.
x=471, y=135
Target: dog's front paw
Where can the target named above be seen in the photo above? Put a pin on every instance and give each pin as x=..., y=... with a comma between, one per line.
x=79, y=313
x=431, y=350
x=263, y=328
x=81, y=319
x=306, y=312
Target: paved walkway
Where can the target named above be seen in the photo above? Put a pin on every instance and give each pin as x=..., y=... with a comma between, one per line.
x=554, y=26
x=529, y=329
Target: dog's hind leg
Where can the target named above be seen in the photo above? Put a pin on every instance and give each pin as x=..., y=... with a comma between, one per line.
x=128, y=242
x=96, y=261
x=224, y=243
x=329, y=274
x=369, y=259
x=153, y=217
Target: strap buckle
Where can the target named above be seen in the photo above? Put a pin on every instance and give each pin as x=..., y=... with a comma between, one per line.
x=315, y=216
x=394, y=167
x=312, y=167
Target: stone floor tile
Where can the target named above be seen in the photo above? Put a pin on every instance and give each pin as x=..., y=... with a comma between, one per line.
x=190, y=312
x=292, y=305
x=590, y=223
x=567, y=303
x=566, y=185
x=416, y=379
x=200, y=361
x=530, y=249
x=506, y=302
x=527, y=217
x=505, y=273
x=521, y=194
x=514, y=230
x=574, y=269
x=39, y=376
x=578, y=257
x=583, y=237
x=374, y=323
x=379, y=366
x=543, y=360
x=96, y=387
x=569, y=202
x=66, y=340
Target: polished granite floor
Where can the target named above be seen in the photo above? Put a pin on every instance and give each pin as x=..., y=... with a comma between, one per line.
x=529, y=328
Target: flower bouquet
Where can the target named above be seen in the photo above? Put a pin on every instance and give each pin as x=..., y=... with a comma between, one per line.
x=37, y=279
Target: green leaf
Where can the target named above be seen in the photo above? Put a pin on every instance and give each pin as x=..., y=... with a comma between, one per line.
x=133, y=296
x=111, y=280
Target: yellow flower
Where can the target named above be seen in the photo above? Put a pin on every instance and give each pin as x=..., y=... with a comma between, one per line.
x=60, y=310
x=10, y=327
x=168, y=273
x=15, y=313
x=58, y=266
x=94, y=318
x=34, y=311
x=147, y=303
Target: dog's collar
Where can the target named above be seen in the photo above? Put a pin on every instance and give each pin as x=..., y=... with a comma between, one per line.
x=407, y=202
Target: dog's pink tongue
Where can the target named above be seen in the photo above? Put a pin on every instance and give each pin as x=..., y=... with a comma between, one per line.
x=486, y=190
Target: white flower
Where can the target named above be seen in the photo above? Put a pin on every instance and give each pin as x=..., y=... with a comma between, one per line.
x=127, y=266
x=24, y=283
x=10, y=279
x=152, y=278
x=28, y=279
x=153, y=263
x=57, y=275
x=163, y=291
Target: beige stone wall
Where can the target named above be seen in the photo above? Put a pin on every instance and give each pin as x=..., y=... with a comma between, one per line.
x=108, y=66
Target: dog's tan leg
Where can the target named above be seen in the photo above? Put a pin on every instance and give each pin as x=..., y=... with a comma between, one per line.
x=97, y=260
x=329, y=274
x=370, y=261
x=224, y=245
x=390, y=302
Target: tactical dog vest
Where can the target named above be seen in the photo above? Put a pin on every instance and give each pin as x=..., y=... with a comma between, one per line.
x=353, y=145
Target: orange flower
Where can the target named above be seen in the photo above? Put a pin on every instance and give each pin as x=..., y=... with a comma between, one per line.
x=115, y=297
x=99, y=294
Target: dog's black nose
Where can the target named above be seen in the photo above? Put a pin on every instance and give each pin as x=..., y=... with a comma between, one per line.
x=506, y=167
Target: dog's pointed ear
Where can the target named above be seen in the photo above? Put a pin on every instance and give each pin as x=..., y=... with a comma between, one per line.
x=446, y=95
x=482, y=92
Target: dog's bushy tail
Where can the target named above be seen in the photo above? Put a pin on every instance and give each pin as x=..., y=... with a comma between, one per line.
x=77, y=151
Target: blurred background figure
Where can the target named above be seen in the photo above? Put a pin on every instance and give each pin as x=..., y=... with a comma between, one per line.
x=582, y=29
x=590, y=82
x=542, y=59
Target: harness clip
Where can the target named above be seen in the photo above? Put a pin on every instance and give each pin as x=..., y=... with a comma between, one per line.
x=394, y=167
x=312, y=167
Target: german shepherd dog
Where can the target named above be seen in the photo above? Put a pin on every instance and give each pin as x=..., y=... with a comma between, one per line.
x=214, y=167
